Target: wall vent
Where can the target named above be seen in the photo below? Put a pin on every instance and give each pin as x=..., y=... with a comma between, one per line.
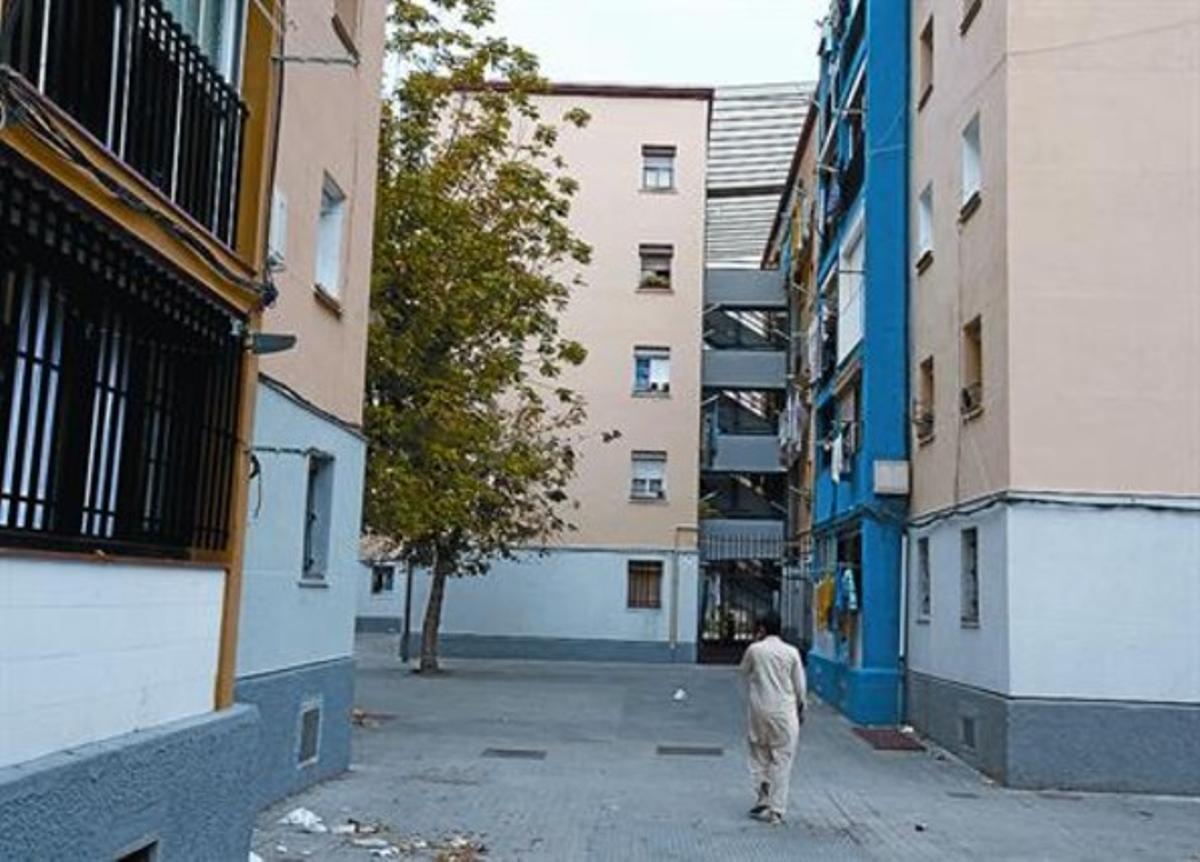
x=310, y=733
x=967, y=731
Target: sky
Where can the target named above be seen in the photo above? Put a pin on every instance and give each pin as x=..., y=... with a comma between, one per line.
x=708, y=42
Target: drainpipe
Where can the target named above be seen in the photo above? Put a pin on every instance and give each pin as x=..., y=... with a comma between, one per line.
x=902, y=646
x=674, y=624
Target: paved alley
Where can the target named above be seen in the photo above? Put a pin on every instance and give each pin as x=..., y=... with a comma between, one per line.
x=604, y=791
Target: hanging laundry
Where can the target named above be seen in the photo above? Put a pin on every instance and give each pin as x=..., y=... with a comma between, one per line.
x=837, y=459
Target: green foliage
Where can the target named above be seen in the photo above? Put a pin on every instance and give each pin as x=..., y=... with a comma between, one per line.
x=468, y=425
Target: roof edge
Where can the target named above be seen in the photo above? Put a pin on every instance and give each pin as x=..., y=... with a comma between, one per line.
x=615, y=91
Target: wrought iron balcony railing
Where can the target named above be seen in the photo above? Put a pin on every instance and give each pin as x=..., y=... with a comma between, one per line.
x=130, y=75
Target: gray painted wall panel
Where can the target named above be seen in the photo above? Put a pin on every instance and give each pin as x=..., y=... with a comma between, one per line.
x=187, y=784
x=747, y=288
x=746, y=369
x=280, y=698
x=746, y=453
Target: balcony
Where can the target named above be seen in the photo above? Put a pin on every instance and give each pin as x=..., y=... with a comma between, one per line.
x=746, y=288
x=131, y=76
x=744, y=369
x=745, y=453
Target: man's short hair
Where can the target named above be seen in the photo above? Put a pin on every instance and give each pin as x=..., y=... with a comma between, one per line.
x=771, y=623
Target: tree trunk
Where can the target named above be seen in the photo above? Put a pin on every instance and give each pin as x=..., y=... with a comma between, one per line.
x=433, y=616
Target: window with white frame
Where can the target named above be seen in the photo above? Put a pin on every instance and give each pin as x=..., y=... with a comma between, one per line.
x=318, y=515
x=649, y=481
x=330, y=226
x=652, y=370
x=970, y=577
x=216, y=27
x=851, y=284
x=658, y=168
x=655, y=266
x=278, y=230
x=925, y=222
x=972, y=163
x=924, y=580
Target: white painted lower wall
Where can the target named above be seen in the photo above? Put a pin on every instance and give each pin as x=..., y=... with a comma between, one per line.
x=286, y=621
x=942, y=646
x=571, y=594
x=1077, y=602
x=89, y=651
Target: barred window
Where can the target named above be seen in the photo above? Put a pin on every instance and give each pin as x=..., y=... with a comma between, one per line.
x=645, y=584
x=119, y=381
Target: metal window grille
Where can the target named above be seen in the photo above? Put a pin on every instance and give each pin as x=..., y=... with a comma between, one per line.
x=120, y=383
x=127, y=72
x=970, y=576
x=645, y=584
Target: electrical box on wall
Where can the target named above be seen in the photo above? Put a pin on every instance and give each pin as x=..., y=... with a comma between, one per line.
x=891, y=478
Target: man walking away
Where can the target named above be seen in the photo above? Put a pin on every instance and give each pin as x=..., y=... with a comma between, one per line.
x=776, y=690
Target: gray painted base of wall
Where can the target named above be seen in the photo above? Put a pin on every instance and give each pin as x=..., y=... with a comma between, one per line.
x=1067, y=744
x=538, y=649
x=280, y=697
x=187, y=785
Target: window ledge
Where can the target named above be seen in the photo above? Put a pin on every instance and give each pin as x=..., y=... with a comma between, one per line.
x=970, y=205
x=972, y=414
x=924, y=261
x=313, y=583
x=644, y=609
x=970, y=624
x=922, y=621
x=969, y=17
x=666, y=290
x=649, y=191
x=637, y=393
x=649, y=501
x=924, y=440
x=327, y=299
x=921, y=102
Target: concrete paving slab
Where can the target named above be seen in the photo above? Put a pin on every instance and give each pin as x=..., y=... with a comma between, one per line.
x=604, y=792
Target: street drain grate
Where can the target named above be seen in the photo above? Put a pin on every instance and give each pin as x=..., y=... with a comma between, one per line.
x=962, y=794
x=888, y=739
x=515, y=753
x=690, y=751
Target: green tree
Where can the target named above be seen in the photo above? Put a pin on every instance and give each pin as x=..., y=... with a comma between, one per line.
x=469, y=425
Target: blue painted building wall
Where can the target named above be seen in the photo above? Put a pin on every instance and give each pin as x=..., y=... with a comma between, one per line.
x=860, y=674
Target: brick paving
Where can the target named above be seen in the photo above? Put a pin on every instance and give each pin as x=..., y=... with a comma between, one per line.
x=604, y=792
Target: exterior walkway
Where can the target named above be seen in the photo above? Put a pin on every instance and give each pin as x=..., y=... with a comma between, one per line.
x=603, y=792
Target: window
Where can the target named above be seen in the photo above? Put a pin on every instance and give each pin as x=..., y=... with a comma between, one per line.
x=329, y=238
x=658, y=168
x=925, y=65
x=318, y=509
x=850, y=285
x=215, y=25
x=972, y=167
x=656, y=267
x=849, y=426
x=970, y=577
x=277, y=235
x=972, y=391
x=649, y=476
x=308, y=744
x=645, y=584
x=345, y=23
x=144, y=853
x=119, y=384
x=925, y=228
x=924, y=580
x=970, y=9
x=923, y=409
x=383, y=579
x=652, y=370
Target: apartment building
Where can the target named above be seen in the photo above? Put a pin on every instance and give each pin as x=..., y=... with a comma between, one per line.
x=295, y=663
x=1054, y=542
x=624, y=585
x=858, y=350
x=793, y=247
x=743, y=488
x=134, y=180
